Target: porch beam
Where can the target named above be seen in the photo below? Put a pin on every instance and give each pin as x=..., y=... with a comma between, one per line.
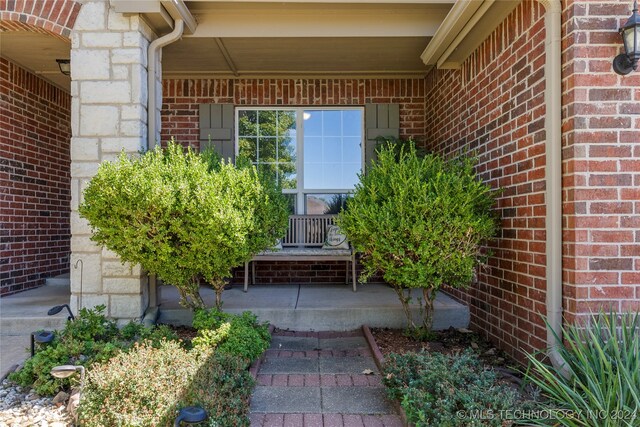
x=227, y=56
x=160, y=14
x=314, y=20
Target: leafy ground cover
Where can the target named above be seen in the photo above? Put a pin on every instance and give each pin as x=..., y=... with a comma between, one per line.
x=458, y=379
x=142, y=376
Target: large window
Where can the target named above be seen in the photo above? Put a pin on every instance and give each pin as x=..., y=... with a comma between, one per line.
x=314, y=154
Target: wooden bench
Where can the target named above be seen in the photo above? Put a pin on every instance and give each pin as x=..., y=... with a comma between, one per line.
x=303, y=242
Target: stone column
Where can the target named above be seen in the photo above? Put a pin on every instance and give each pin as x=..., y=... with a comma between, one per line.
x=108, y=114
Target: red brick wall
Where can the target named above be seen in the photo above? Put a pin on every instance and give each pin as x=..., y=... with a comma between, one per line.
x=180, y=118
x=496, y=110
x=49, y=16
x=34, y=179
x=494, y=107
x=601, y=143
x=182, y=97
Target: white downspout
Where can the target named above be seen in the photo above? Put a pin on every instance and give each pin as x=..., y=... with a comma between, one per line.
x=553, y=177
x=154, y=48
x=152, y=55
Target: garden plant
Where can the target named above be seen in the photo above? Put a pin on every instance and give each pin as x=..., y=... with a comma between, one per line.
x=183, y=216
x=421, y=222
x=436, y=389
x=602, y=388
x=90, y=338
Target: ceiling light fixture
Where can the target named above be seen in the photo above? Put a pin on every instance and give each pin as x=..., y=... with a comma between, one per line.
x=65, y=66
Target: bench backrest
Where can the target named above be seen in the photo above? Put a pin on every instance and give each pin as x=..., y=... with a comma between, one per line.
x=307, y=230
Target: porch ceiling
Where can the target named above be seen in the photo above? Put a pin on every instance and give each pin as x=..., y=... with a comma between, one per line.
x=264, y=38
x=37, y=52
x=282, y=56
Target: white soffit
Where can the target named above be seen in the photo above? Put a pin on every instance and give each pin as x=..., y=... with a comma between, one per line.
x=37, y=53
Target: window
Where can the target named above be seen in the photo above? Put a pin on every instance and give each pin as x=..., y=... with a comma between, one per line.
x=315, y=154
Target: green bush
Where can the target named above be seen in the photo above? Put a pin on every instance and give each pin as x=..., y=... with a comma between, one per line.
x=421, y=222
x=223, y=387
x=603, y=362
x=140, y=388
x=443, y=390
x=183, y=216
x=147, y=386
x=88, y=339
x=239, y=335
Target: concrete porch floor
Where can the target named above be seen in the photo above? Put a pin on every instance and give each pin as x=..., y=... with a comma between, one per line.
x=297, y=307
x=316, y=307
x=26, y=312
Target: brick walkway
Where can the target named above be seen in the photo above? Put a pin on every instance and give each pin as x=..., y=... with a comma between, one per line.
x=315, y=379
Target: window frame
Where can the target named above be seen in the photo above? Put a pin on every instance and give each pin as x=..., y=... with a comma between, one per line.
x=300, y=190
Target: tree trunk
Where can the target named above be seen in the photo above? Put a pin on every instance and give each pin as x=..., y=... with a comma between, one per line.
x=405, y=300
x=429, y=296
x=218, y=287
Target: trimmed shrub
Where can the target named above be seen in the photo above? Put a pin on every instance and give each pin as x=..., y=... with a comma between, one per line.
x=435, y=389
x=603, y=387
x=183, y=216
x=147, y=386
x=140, y=388
x=420, y=221
x=237, y=335
x=223, y=387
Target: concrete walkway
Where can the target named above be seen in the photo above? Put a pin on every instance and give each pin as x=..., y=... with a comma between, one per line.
x=319, y=379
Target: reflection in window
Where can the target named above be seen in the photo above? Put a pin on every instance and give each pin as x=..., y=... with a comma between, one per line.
x=332, y=149
x=268, y=140
x=319, y=204
x=327, y=153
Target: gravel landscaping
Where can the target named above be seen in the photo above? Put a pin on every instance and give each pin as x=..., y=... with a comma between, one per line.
x=21, y=407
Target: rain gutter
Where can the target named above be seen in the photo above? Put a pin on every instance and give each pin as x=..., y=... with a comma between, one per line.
x=553, y=177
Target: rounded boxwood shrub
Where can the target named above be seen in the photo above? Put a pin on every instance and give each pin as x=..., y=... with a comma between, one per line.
x=183, y=216
x=421, y=222
x=239, y=335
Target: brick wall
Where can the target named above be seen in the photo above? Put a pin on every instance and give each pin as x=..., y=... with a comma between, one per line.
x=53, y=17
x=494, y=107
x=180, y=118
x=34, y=179
x=182, y=97
x=496, y=110
x=601, y=151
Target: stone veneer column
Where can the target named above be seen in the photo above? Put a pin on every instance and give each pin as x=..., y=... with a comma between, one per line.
x=108, y=114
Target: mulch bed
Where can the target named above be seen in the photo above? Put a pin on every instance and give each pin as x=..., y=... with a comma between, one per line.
x=450, y=341
x=185, y=333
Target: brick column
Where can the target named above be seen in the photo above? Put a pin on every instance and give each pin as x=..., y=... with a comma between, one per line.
x=108, y=114
x=601, y=158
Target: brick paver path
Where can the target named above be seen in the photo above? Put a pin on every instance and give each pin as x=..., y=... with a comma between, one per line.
x=316, y=379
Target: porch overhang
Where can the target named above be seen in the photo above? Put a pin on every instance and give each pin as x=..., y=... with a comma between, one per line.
x=311, y=38
x=466, y=26
x=159, y=14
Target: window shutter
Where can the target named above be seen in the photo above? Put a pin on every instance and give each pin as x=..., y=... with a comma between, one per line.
x=381, y=120
x=216, y=129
